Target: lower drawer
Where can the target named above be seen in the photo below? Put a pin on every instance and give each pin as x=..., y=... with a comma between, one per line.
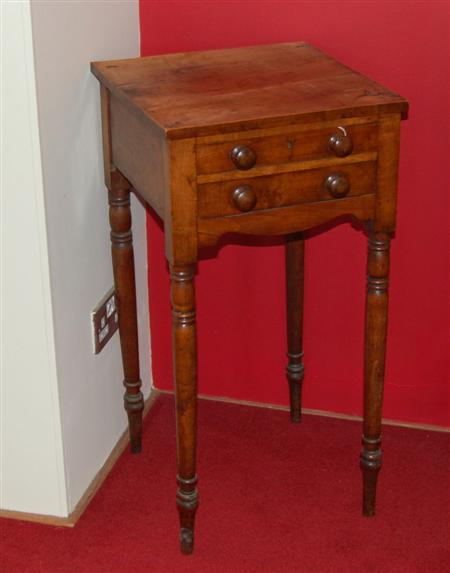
x=255, y=194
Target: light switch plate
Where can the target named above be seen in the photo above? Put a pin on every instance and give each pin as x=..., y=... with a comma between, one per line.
x=104, y=321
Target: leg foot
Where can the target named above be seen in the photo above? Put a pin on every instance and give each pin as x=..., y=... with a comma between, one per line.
x=295, y=392
x=186, y=540
x=187, y=503
x=370, y=463
x=135, y=426
x=136, y=447
x=134, y=405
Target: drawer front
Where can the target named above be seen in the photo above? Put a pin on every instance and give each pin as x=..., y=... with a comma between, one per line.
x=244, y=152
x=253, y=194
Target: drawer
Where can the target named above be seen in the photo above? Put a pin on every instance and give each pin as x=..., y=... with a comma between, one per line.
x=273, y=147
x=254, y=194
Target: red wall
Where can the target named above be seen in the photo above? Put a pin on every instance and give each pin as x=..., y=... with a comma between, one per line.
x=241, y=314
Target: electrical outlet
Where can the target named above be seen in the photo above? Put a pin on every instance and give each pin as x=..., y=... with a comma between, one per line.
x=104, y=321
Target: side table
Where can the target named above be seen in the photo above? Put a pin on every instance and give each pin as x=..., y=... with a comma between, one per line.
x=264, y=140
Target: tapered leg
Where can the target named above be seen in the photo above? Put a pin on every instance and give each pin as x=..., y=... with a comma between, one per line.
x=295, y=252
x=375, y=349
x=123, y=267
x=185, y=372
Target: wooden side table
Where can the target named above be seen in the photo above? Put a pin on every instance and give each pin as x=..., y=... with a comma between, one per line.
x=265, y=140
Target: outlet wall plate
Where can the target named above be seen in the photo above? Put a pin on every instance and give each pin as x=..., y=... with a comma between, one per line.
x=104, y=321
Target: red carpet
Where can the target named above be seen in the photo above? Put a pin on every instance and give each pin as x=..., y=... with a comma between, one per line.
x=274, y=497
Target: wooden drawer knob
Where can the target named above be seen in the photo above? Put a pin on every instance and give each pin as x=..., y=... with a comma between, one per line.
x=337, y=184
x=244, y=198
x=340, y=143
x=243, y=157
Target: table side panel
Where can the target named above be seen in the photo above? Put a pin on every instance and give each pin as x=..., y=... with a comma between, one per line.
x=180, y=207
x=139, y=151
x=387, y=173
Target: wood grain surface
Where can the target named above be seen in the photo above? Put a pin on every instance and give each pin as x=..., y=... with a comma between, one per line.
x=200, y=93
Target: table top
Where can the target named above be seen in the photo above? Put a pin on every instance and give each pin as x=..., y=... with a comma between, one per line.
x=197, y=93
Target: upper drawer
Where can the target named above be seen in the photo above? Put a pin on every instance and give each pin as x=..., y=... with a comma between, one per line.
x=244, y=151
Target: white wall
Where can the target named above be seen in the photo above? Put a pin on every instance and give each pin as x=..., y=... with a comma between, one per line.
x=66, y=37
x=32, y=469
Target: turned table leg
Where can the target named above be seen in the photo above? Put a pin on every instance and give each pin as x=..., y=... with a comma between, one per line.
x=185, y=373
x=294, y=253
x=375, y=349
x=123, y=268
